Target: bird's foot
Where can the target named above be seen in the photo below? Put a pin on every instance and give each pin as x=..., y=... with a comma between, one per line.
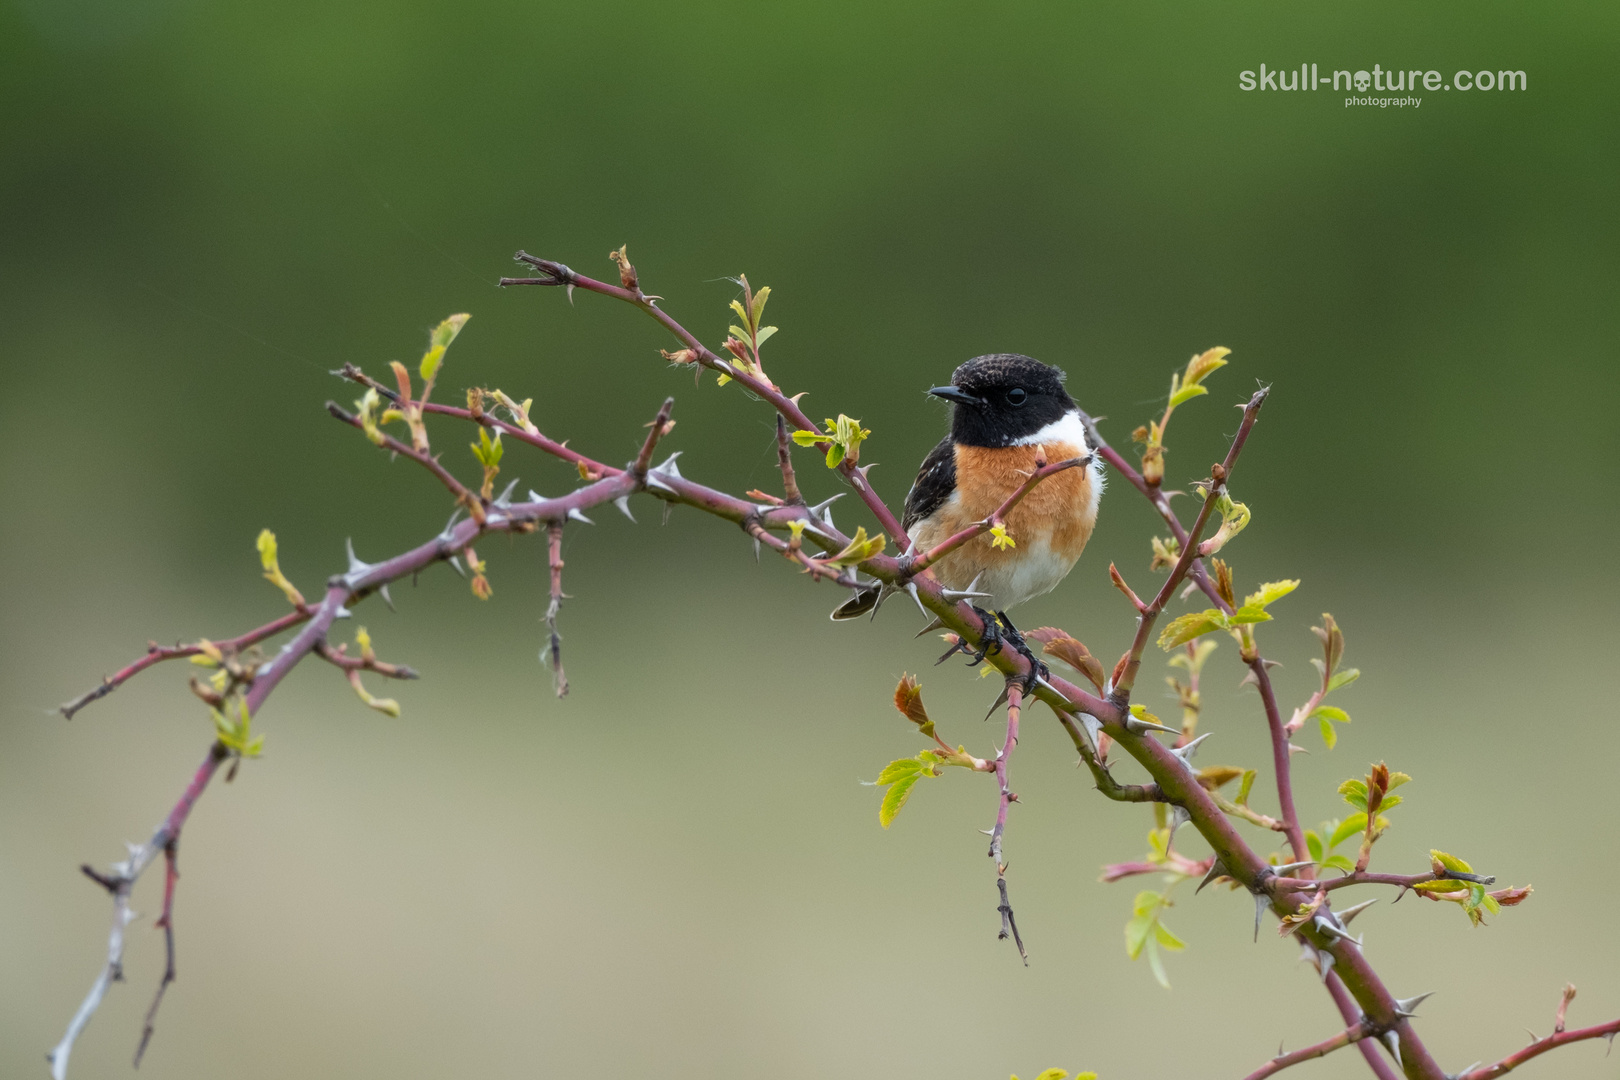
x=1011, y=638
x=990, y=638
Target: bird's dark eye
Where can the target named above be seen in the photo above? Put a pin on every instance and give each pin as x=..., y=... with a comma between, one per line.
x=1017, y=396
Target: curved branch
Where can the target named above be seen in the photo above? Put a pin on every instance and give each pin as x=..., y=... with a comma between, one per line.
x=1541, y=1046
x=559, y=274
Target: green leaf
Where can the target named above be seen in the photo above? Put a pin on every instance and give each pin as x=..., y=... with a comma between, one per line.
x=835, y=454
x=895, y=798
x=1355, y=793
x=1328, y=712
x=1270, y=592
x=1313, y=844
x=438, y=341
x=1054, y=1074
x=1167, y=939
x=859, y=549
x=760, y=297
x=1157, y=965
x=1193, y=625
x=808, y=438
x=1244, y=786
x=1330, y=738
x=764, y=334
x=1491, y=905
x=1186, y=393
x=1396, y=779
x=896, y=770
x=1350, y=826
x=1338, y=862
x=1343, y=678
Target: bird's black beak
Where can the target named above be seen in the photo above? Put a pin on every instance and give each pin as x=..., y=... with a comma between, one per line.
x=956, y=394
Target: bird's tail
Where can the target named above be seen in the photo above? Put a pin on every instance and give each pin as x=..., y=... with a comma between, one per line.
x=863, y=602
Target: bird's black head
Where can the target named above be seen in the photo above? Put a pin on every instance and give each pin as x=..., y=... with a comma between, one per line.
x=1003, y=398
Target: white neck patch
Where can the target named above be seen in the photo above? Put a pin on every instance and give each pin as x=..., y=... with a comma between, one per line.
x=1067, y=429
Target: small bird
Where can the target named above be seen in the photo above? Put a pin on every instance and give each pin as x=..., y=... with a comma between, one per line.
x=1009, y=410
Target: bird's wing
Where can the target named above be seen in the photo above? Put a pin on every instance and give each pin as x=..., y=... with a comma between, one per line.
x=934, y=484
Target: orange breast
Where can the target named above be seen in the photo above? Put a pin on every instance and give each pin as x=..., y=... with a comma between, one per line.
x=1059, y=510
x=1057, y=516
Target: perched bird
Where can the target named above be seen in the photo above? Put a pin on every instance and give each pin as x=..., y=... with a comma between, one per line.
x=1009, y=409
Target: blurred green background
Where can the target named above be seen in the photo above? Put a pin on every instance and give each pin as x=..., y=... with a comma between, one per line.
x=205, y=208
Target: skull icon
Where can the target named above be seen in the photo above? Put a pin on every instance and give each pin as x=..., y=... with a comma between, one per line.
x=1363, y=80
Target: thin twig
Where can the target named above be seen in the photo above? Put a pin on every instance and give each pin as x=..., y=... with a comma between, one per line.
x=166, y=922
x=784, y=461
x=156, y=654
x=1541, y=1046
x=558, y=274
x=553, y=651
x=1352, y=1034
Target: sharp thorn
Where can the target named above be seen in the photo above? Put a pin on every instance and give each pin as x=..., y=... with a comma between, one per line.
x=1284, y=869
x=505, y=498
x=1132, y=724
x=1000, y=701
x=931, y=627
x=954, y=595
x=575, y=515
x=456, y=562
x=668, y=508
x=1178, y=817
x=756, y=549
x=451, y=524
x=654, y=482
x=1392, y=1039
x=343, y=613
x=623, y=503
x=1327, y=926
x=382, y=591
x=569, y=289
x=911, y=587
x=1351, y=912
x=1185, y=753
x=356, y=567
x=669, y=468
x=820, y=509
x=535, y=496
x=1404, y=1006
x=1259, y=909
x=1093, y=729
x=1216, y=869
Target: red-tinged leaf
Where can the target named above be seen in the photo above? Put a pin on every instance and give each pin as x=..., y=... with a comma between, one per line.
x=1514, y=896
x=908, y=699
x=1056, y=643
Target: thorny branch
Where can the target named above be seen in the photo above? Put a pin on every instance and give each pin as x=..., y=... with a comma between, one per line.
x=1558, y=1037
x=1087, y=717
x=1354, y=1033
x=1009, y=926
